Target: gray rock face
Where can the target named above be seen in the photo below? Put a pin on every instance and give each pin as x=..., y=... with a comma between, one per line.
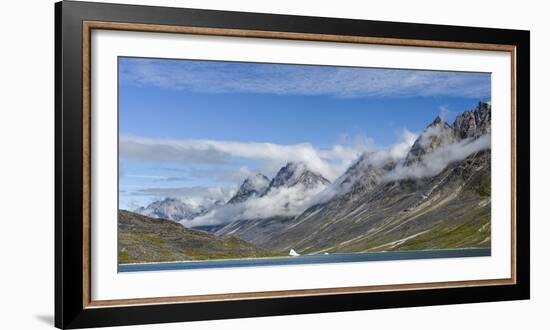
x=473, y=124
x=251, y=187
x=293, y=174
x=470, y=124
x=437, y=134
x=259, y=232
x=465, y=125
x=363, y=175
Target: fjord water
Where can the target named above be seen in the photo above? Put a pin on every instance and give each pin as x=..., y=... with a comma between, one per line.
x=307, y=259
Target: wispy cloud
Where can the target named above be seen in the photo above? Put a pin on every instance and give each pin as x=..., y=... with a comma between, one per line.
x=329, y=162
x=287, y=201
x=286, y=79
x=433, y=163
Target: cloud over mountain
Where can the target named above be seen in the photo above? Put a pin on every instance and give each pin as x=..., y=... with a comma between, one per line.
x=194, y=197
x=289, y=193
x=433, y=163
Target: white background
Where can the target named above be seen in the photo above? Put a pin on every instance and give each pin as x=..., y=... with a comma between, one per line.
x=26, y=166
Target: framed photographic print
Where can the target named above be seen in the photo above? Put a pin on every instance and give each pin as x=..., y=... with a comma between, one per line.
x=215, y=164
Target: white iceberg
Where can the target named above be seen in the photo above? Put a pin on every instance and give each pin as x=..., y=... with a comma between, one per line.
x=293, y=253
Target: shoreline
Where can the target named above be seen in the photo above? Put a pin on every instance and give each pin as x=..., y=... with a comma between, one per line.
x=297, y=257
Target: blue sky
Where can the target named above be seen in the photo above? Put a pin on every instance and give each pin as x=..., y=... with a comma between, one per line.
x=198, y=128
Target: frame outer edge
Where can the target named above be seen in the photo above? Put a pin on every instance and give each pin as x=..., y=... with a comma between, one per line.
x=523, y=165
x=69, y=184
x=69, y=307
x=58, y=247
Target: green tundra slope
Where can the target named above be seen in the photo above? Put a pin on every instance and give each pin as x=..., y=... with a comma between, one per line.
x=143, y=239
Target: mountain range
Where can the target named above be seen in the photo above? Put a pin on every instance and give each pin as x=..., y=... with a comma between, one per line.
x=294, y=175
x=436, y=197
x=172, y=209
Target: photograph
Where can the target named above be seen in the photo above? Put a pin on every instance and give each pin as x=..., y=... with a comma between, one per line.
x=231, y=164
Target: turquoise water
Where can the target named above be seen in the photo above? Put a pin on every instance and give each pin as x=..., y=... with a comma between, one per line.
x=308, y=259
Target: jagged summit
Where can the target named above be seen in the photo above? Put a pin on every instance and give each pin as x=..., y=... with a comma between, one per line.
x=288, y=174
x=437, y=121
x=469, y=124
x=294, y=173
x=172, y=209
x=473, y=124
x=436, y=135
x=252, y=186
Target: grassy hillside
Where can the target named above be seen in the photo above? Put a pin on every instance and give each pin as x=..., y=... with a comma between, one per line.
x=144, y=239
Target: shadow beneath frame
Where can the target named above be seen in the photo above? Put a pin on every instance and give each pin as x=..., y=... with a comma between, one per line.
x=45, y=318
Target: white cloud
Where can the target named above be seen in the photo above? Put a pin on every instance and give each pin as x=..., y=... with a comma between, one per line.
x=227, y=77
x=433, y=163
x=294, y=200
x=284, y=201
x=330, y=163
x=378, y=158
x=396, y=151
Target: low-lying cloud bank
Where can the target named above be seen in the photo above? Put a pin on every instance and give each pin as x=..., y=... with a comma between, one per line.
x=435, y=162
x=284, y=201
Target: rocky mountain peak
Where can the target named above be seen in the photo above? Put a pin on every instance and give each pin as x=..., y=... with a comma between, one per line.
x=294, y=173
x=172, y=209
x=470, y=124
x=310, y=179
x=287, y=174
x=251, y=186
x=364, y=174
x=473, y=124
x=438, y=121
x=436, y=135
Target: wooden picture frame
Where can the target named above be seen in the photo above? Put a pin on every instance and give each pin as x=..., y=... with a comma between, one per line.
x=74, y=306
